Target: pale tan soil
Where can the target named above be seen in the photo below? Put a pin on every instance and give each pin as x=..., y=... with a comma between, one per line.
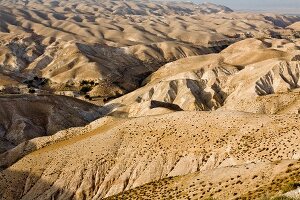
x=24, y=117
x=258, y=76
x=199, y=102
x=115, y=44
x=142, y=150
x=295, y=26
x=249, y=181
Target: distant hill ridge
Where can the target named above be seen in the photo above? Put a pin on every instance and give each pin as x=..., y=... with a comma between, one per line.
x=137, y=7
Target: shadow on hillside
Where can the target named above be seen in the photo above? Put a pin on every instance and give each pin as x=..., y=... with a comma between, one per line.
x=24, y=185
x=11, y=156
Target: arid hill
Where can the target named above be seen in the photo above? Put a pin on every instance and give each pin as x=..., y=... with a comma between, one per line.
x=98, y=50
x=125, y=154
x=217, y=81
x=24, y=117
x=193, y=101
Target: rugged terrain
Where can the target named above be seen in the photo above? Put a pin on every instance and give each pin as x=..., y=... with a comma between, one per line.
x=217, y=81
x=24, y=117
x=134, y=152
x=82, y=48
x=147, y=100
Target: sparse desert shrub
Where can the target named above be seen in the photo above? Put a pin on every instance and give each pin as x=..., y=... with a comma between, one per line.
x=85, y=89
x=210, y=198
x=277, y=198
x=88, y=97
x=31, y=91
x=282, y=198
x=290, y=186
x=87, y=86
x=84, y=82
x=36, y=82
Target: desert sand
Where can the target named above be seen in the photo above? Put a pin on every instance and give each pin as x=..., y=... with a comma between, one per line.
x=139, y=99
x=114, y=44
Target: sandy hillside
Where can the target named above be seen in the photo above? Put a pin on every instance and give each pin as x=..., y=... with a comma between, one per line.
x=138, y=151
x=295, y=26
x=193, y=101
x=24, y=117
x=249, y=181
x=101, y=50
x=259, y=76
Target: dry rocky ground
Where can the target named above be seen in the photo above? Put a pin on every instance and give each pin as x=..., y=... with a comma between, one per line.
x=81, y=48
x=147, y=100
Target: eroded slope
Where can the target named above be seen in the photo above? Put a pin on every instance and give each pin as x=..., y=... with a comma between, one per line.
x=86, y=49
x=143, y=150
x=257, y=76
x=24, y=117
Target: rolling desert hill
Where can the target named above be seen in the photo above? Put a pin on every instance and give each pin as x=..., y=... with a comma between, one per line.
x=146, y=149
x=253, y=181
x=66, y=44
x=135, y=99
x=24, y=117
x=295, y=26
x=216, y=81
